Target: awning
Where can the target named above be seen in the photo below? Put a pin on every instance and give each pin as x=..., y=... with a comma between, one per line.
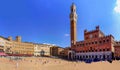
x=20, y=55
x=3, y=54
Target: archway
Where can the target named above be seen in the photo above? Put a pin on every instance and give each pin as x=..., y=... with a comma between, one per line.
x=70, y=56
x=42, y=53
x=104, y=57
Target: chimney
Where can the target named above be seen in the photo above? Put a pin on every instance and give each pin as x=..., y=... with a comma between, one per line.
x=18, y=38
x=10, y=38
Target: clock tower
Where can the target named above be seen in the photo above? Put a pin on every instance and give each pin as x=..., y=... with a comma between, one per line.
x=73, y=20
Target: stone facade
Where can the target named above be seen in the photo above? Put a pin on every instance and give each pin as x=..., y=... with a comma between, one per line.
x=42, y=49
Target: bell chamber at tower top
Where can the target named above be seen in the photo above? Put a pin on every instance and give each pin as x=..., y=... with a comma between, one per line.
x=73, y=15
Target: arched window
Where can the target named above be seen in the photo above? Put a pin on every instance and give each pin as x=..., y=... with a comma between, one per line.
x=42, y=52
x=96, y=50
x=80, y=57
x=100, y=42
x=95, y=42
x=107, y=56
x=77, y=57
x=100, y=56
x=89, y=51
x=83, y=56
x=89, y=56
x=103, y=41
x=107, y=40
x=95, y=56
x=83, y=44
x=92, y=42
x=108, y=49
x=103, y=49
x=96, y=36
x=92, y=50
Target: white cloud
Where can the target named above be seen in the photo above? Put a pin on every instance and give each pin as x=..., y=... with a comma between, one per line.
x=67, y=35
x=117, y=7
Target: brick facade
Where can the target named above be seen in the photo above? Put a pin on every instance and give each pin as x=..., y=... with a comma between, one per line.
x=96, y=45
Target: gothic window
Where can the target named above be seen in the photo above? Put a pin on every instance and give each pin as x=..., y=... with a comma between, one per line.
x=108, y=49
x=100, y=42
x=80, y=57
x=95, y=42
x=92, y=50
x=107, y=40
x=100, y=56
x=83, y=44
x=95, y=56
x=107, y=56
x=95, y=36
x=77, y=57
x=83, y=56
x=89, y=50
x=92, y=42
x=89, y=56
x=103, y=41
x=103, y=49
x=95, y=50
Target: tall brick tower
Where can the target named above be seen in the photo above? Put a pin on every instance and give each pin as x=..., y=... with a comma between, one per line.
x=73, y=20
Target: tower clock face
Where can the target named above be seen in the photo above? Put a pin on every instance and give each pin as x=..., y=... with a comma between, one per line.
x=91, y=35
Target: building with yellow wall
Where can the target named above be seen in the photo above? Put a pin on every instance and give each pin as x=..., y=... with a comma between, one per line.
x=22, y=48
x=2, y=44
x=16, y=47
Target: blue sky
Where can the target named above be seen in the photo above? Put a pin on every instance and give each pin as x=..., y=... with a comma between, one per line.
x=47, y=21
